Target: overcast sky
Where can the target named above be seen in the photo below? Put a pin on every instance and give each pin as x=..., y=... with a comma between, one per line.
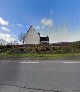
x=59, y=19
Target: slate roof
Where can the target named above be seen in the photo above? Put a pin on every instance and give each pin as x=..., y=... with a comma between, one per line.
x=44, y=38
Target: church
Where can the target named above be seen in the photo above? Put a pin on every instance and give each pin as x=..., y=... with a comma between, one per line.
x=32, y=37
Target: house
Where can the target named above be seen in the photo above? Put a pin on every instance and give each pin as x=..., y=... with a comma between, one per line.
x=32, y=37
x=44, y=40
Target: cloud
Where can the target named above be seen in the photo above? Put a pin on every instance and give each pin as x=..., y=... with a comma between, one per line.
x=62, y=33
x=47, y=22
x=2, y=41
x=3, y=22
x=7, y=38
x=19, y=25
x=38, y=27
x=5, y=29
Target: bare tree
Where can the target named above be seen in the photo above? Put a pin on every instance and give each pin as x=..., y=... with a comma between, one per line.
x=21, y=37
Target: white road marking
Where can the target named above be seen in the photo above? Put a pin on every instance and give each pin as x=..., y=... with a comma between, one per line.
x=71, y=62
x=29, y=62
x=24, y=62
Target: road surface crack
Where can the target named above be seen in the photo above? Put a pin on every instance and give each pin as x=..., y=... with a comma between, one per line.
x=30, y=88
x=36, y=89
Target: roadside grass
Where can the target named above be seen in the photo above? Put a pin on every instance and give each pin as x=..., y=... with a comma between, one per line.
x=45, y=56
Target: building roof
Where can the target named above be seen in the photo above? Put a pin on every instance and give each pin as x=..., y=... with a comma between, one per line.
x=44, y=38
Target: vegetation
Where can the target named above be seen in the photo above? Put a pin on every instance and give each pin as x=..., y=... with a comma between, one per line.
x=55, y=50
x=21, y=37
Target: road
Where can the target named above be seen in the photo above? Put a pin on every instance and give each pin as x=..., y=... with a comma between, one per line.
x=39, y=76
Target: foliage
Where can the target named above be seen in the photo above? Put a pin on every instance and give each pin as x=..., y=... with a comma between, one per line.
x=58, y=48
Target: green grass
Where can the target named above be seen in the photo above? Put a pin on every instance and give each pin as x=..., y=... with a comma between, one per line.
x=45, y=56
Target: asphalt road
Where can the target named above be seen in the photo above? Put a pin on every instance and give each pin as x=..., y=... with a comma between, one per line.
x=39, y=76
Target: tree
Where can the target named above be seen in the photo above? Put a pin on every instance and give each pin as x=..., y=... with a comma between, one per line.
x=21, y=37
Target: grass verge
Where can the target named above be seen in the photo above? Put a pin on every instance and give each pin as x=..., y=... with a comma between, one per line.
x=42, y=56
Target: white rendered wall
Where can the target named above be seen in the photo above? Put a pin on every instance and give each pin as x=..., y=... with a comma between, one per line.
x=32, y=37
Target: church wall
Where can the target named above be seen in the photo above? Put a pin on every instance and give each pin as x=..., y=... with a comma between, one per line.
x=32, y=37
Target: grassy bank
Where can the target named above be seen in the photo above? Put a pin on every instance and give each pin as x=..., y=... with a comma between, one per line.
x=42, y=56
